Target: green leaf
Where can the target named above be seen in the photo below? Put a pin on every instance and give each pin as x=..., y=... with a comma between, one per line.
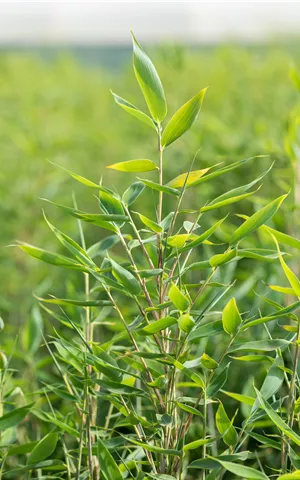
x=14, y=417
x=149, y=223
x=218, y=382
x=208, y=330
x=277, y=420
x=208, y=362
x=83, y=180
x=186, y=322
x=225, y=427
x=32, y=335
x=240, y=398
x=149, y=82
x=132, y=193
x=226, y=169
x=234, y=195
x=157, y=326
x=283, y=312
x=134, y=111
x=231, y=317
x=134, y=166
x=77, y=251
x=241, y=471
x=263, y=345
x=43, y=449
x=222, y=258
x=108, y=466
x=76, y=303
x=293, y=280
x=160, y=188
x=197, y=444
x=154, y=449
x=285, y=290
x=256, y=220
x=282, y=237
x=180, y=301
x=189, y=409
x=183, y=119
x=187, y=178
x=110, y=204
x=100, y=248
x=272, y=382
x=181, y=239
x=210, y=463
x=52, y=258
x=125, y=278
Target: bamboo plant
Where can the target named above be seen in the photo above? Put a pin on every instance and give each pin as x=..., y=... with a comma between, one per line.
x=145, y=353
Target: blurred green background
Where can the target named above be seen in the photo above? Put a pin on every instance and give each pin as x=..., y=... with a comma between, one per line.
x=57, y=106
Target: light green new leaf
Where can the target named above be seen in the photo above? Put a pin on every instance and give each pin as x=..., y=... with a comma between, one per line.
x=149, y=223
x=222, y=258
x=231, y=317
x=225, y=427
x=186, y=322
x=282, y=312
x=84, y=180
x=293, y=280
x=149, y=82
x=43, y=449
x=181, y=239
x=277, y=420
x=282, y=237
x=187, y=178
x=134, y=166
x=125, y=278
x=183, y=119
x=256, y=220
x=272, y=382
x=241, y=471
x=108, y=466
x=132, y=193
x=197, y=444
x=134, y=111
x=180, y=301
x=157, y=326
x=285, y=290
x=290, y=476
x=239, y=397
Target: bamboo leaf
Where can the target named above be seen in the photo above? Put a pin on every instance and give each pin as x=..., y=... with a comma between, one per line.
x=187, y=178
x=157, y=326
x=43, y=449
x=149, y=82
x=160, y=188
x=256, y=220
x=149, y=223
x=134, y=111
x=241, y=471
x=125, y=278
x=132, y=193
x=108, y=466
x=231, y=317
x=180, y=301
x=52, y=258
x=134, y=166
x=225, y=427
x=183, y=119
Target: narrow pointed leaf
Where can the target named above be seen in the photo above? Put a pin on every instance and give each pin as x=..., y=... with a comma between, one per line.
x=134, y=166
x=231, y=317
x=187, y=178
x=134, y=111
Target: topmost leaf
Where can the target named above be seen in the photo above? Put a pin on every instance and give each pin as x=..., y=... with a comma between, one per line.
x=149, y=82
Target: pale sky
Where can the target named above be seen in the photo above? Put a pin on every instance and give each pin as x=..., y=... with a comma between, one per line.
x=82, y=22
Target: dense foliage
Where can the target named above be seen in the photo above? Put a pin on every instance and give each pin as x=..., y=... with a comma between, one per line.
x=166, y=344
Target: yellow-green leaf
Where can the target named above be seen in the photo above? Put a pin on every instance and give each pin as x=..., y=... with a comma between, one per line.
x=290, y=476
x=180, y=301
x=183, y=119
x=186, y=322
x=187, y=178
x=149, y=82
x=149, y=223
x=293, y=280
x=134, y=111
x=143, y=165
x=231, y=317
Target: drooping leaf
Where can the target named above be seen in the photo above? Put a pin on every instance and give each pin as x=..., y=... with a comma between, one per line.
x=76, y=303
x=231, y=317
x=134, y=111
x=52, y=258
x=149, y=82
x=197, y=443
x=13, y=418
x=277, y=420
x=292, y=278
x=257, y=345
x=225, y=427
x=125, y=278
x=160, y=188
x=183, y=119
x=134, y=166
x=180, y=301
